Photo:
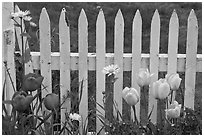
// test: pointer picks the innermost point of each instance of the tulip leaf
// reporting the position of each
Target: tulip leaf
(103, 120)
(17, 25)
(100, 105)
(3, 95)
(27, 55)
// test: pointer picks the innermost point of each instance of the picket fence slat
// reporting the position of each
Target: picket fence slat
(173, 45)
(8, 52)
(45, 51)
(136, 56)
(64, 40)
(154, 60)
(118, 58)
(100, 64)
(83, 67)
(191, 51)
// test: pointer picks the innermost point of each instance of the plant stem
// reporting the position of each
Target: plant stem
(23, 73)
(133, 107)
(171, 96)
(7, 70)
(143, 107)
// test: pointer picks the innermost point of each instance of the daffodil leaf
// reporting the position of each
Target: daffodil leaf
(27, 55)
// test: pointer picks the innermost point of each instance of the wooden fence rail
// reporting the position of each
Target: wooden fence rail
(65, 61)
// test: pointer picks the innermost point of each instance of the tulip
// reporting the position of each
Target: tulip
(174, 81)
(174, 110)
(51, 101)
(131, 96)
(161, 89)
(32, 82)
(144, 77)
(21, 101)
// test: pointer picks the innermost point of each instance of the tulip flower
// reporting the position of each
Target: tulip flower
(161, 89)
(51, 101)
(174, 81)
(174, 110)
(144, 77)
(32, 82)
(21, 101)
(131, 96)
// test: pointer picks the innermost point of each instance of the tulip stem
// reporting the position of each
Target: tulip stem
(52, 122)
(171, 96)
(133, 107)
(144, 105)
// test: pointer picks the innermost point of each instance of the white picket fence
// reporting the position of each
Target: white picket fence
(65, 61)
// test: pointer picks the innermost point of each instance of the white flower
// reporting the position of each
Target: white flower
(33, 24)
(161, 89)
(144, 77)
(75, 116)
(174, 110)
(174, 81)
(131, 96)
(111, 69)
(27, 18)
(20, 14)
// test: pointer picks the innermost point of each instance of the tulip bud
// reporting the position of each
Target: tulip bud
(32, 82)
(174, 81)
(51, 101)
(144, 77)
(161, 89)
(174, 110)
(130, 95)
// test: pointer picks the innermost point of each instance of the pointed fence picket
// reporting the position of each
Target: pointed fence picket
(173, 45)
(64, 38)
(45, 52)
(191, 51)
(100, 64)
(8, 53)
(118, 58)
(83, 66)
(136, 56)
(154, 61)
(46, 61)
